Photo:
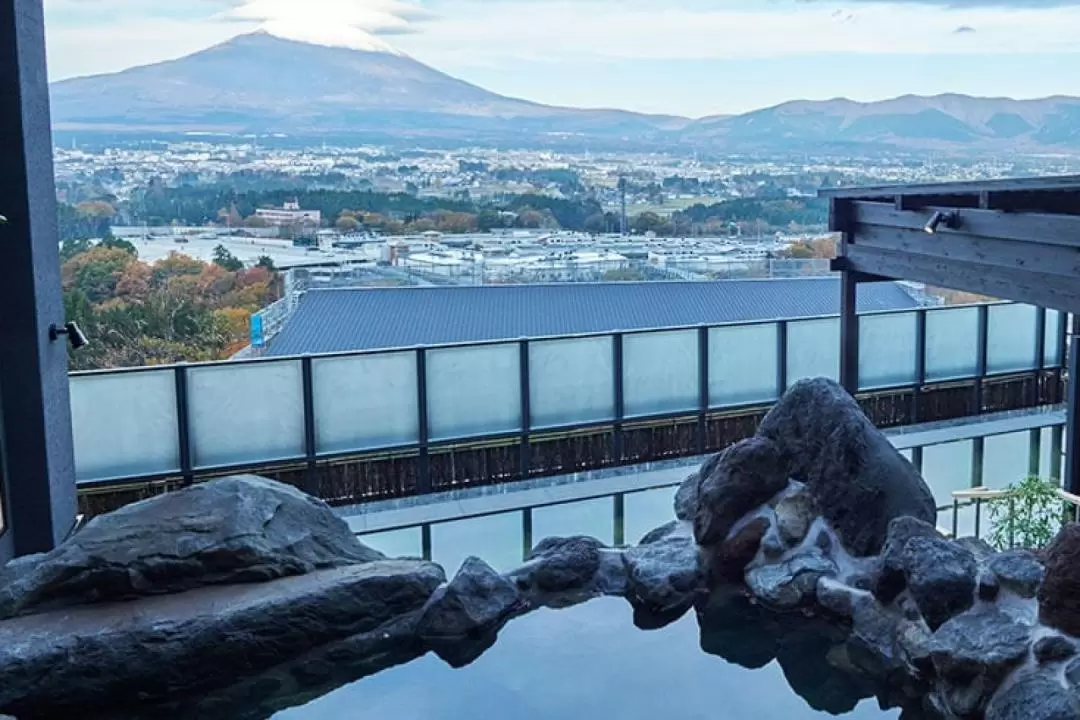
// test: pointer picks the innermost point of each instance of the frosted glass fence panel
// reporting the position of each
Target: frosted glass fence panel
(365, 401)
(124, 424)
(887, 350)
(660, 372)
(1006, 459)
(952, 343)
(246, 412)
(742, 364)
(473, 391)
(1052, 339)
(947, 467)
(1010, 339)
(813, 349)
(571, 381)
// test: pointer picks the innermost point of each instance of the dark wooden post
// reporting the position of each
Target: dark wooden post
(35, 411)
(1072, 426)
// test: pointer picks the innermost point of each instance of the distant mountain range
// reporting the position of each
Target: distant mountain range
(259, 83)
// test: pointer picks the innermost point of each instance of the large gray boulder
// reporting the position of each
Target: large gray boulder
(686, 497)
(792, 583)
(1018, 570)
(565, 571)
(1060, 588)
(891, 576)
(745, 476)
(941, 577)
(233, 530)
(476, 602)
(1033, 696)
(664, 577)
(61, 662)
(860, 481)
(973, 653)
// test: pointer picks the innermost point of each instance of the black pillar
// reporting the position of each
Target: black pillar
(35, 413)
(1072, 426)
(849, 333)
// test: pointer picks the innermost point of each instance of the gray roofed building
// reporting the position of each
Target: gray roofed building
(340, 320)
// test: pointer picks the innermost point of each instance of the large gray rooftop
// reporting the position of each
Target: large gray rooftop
(340, 320)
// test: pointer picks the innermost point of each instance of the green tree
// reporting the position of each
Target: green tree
(71, 247)
(111, 241)
(1029, 516)
(224, 259)
(347, 224)
(266, 262)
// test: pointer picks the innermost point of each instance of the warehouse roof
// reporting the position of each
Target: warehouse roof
(337, 320)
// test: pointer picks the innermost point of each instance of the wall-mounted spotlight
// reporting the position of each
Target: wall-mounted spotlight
(950, 218)
(74, 334)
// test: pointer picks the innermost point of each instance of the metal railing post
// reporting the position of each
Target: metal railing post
(524, 456)
(617, 365)
(423, 465)
(619, 508)
(703, 389)
(981, 357)
(920, 362)
(310, 484)
(781, 357)
(183, 427)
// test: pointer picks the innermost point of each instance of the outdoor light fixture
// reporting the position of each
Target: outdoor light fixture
(950, 218)
(75, 336)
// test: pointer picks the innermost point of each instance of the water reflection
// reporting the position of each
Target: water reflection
(590, 662)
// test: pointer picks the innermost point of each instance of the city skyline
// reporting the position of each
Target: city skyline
(689, 58)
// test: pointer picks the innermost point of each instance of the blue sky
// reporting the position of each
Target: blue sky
(688, 57)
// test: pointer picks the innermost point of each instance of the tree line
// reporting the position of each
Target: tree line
(178, 308)
(406, 213)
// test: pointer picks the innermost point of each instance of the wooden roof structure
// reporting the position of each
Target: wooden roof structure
(1016, 239)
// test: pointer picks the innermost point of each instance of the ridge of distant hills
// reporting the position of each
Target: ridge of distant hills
(260, 83)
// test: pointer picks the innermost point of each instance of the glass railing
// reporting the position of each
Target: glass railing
(187, 420)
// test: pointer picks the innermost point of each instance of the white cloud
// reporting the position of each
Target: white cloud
(491, 33)
(347, 23)
(90, 36)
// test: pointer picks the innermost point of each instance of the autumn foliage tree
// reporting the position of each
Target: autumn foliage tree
(178, 308)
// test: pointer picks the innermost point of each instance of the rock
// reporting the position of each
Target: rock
(298, 681)
(872, 645)
(1061, 585)
(795, 511)
(891, 579)
(792, 583)
(686, 497)
(663, 577)
(657, 534)
(824, 542)
(1033, 696)
(1053, 648)
(916, 645)
(988, 586)
(575, 567)
(476, 602)
(233, 530)
(838, 598)
(1018, 570)
(737, 551)
(860, 481)
(973, 653)
(976, 546)
(152, 649)
(773, 546)
(940, 576)
(744, 477)
(1072, 675)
